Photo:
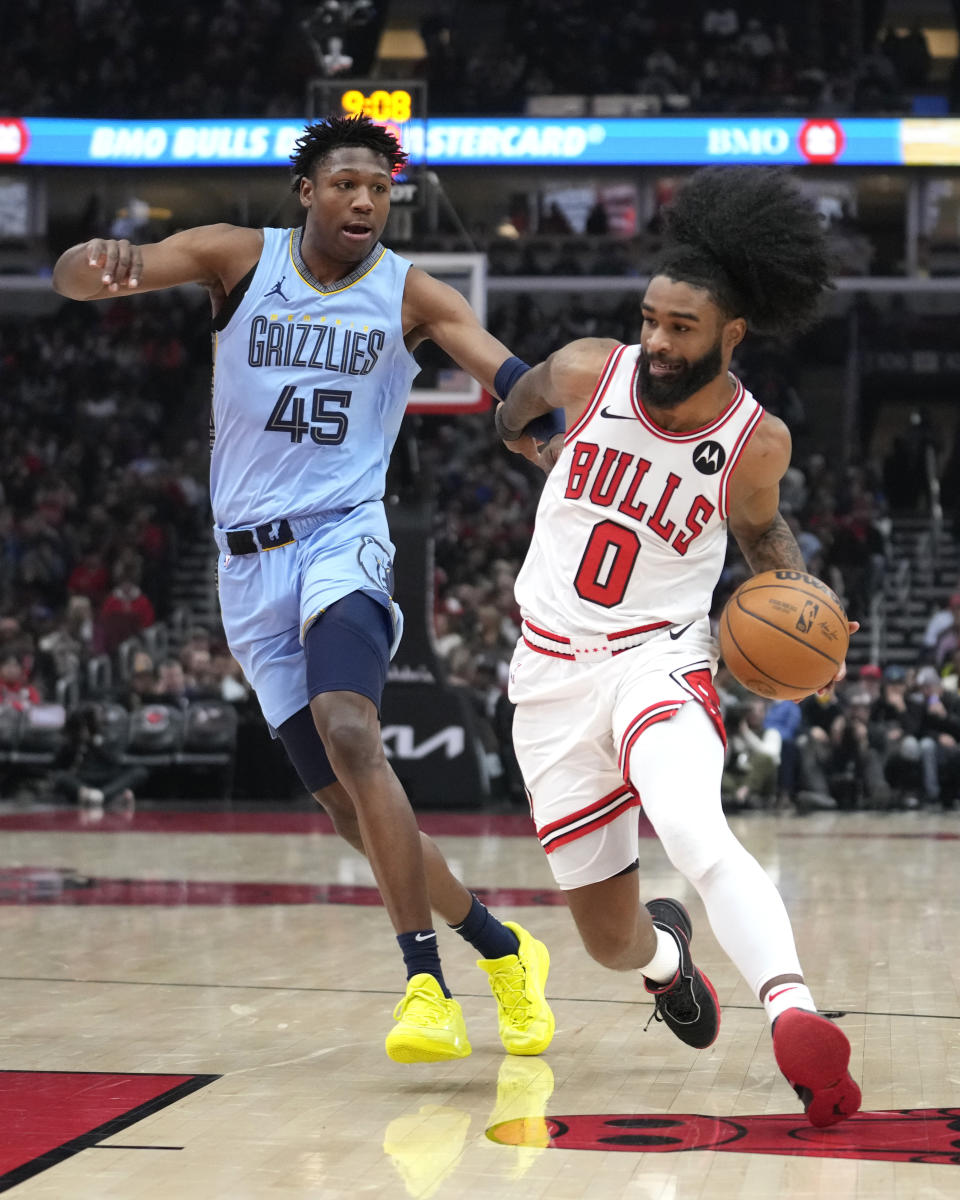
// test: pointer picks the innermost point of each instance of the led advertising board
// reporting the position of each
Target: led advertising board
(452, 142)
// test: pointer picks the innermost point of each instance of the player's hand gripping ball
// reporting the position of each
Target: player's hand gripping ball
(784, 634)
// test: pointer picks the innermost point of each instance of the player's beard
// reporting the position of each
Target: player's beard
(659, 392)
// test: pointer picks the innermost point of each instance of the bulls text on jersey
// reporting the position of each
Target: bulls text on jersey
(617, 479)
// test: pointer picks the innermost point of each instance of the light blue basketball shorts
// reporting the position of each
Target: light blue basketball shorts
(270, 597)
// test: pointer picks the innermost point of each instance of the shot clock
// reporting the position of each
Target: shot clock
(388, 102)
(394, 105)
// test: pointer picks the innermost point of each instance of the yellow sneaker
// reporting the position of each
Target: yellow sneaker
(517, 982)
(430, 1028)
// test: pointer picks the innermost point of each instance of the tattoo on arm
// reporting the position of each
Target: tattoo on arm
(775, 549)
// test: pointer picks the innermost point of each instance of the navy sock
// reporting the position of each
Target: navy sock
(422, 956)
(488, 936)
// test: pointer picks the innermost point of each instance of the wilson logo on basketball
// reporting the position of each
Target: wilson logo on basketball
(801, 577)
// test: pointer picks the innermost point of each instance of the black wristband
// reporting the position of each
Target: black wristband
(504, 432)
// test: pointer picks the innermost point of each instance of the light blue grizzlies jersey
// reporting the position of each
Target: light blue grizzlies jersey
(310, 384)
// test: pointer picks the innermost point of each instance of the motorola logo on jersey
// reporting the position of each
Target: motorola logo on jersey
(709, 458)
(306, 343)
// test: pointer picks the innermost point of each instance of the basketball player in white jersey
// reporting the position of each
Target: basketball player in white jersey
(664, 451)
(314, 333)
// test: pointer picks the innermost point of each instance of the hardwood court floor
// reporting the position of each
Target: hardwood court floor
(193, 1005)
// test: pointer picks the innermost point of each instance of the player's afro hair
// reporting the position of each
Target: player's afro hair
(749, 237)
(323, 137)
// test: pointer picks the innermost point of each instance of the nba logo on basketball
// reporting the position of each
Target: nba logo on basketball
(808, 614)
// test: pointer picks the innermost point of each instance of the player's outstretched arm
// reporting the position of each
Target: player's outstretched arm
(216, 256)
(436, 311)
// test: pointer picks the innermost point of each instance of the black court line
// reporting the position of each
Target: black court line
(640, 1002)
(124, 1146)
(88, 1140)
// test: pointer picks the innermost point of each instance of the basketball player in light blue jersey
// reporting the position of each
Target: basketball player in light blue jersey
(314, 333)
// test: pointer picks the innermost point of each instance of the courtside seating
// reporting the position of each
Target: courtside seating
(155, 734)
(33, 737)
(200, 735)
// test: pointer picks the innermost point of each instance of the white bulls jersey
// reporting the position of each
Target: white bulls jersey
(631, 528)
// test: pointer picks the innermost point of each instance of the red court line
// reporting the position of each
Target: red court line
(252, 821)
(53, 887)
(285, 821)
(282, 821)
(267, 820)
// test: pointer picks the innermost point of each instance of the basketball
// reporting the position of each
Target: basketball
(783, 634)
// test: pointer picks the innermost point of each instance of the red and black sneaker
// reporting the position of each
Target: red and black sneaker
(687, 1004)
(813, 1054)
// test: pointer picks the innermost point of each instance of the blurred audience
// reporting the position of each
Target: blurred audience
(718, 60)
(16, 690)
(258, 58)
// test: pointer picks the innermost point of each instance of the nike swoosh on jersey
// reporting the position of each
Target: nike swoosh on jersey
(612, 416)
(674, 634)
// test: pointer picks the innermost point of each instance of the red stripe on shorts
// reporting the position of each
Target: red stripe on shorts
(650, 716)
(601, 812)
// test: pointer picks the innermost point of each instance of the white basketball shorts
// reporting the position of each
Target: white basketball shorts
(574, 730)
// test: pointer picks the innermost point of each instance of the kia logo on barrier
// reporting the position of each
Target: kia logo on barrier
(14, 139)
(747, 141)
(399, 741)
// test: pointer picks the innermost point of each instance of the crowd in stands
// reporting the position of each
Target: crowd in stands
(886, 739)
(101, 485)
(114, 58)
(103, 463)
(713, 57)
(255, 58)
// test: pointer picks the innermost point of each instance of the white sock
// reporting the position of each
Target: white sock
(666, 962)
(676, 766)
(787, 995)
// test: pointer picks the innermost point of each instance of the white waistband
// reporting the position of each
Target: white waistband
(588, 648)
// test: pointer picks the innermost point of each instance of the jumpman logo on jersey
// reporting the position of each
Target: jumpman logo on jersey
(277, 290)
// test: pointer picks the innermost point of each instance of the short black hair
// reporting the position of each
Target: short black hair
(333, 133)
(749, 237)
